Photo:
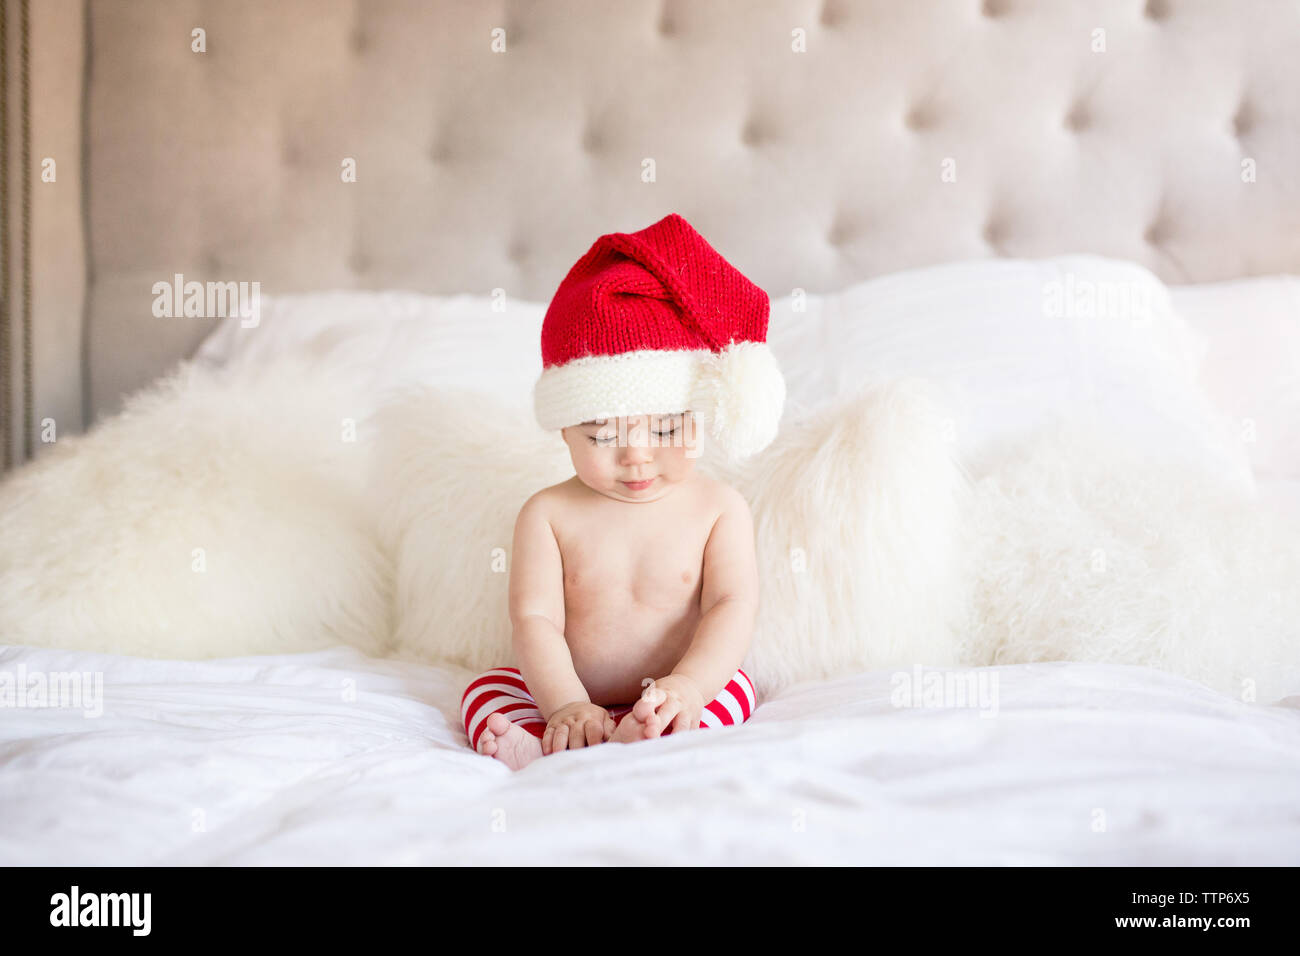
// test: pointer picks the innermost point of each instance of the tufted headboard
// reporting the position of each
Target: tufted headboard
(814, 142)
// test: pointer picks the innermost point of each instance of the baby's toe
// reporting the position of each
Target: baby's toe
(498, 724)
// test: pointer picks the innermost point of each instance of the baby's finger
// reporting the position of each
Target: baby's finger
(595, 733)
(548, 739)
(662, 718)
(683, 722)
(561, 741)
(578, 736)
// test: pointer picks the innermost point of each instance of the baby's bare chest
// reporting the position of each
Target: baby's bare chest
(646, 565)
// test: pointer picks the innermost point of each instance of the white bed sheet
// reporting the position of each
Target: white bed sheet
(267, 761)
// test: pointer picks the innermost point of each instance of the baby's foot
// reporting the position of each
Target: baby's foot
(509, 743)
(642, 721)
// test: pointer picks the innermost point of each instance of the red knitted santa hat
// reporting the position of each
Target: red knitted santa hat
(654, 323)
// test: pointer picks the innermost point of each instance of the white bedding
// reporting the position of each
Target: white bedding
(270, 761)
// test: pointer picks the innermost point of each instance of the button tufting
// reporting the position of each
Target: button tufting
(358, 41)
(993, 232)
(839, 233)
(1154, 234)
(358, 262)
(752, 134)
(1243, 120)
(1078, 117)
(517, 251)
(830, 15)
(592, 140)
(1156, 9)
(919, 117)
(995, 8)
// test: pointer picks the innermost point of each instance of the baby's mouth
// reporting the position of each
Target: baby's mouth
(639, 485)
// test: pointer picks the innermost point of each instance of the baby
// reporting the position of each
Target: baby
(634, 584)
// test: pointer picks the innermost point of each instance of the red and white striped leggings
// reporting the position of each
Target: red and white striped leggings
(502, 691)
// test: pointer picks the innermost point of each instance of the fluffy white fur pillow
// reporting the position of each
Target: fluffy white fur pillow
(452, 469)
(1086, 548)
(858, 514)
(856, 511)
(217, 515)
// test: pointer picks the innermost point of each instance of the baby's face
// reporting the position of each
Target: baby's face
(636, 458)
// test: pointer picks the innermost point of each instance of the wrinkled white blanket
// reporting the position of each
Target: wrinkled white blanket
(335, 758)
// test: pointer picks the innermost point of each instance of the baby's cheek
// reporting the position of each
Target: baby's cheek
(676, 464)
(601, 469)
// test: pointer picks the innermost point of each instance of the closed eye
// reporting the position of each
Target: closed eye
(612, 438)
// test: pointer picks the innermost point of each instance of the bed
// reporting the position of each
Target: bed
(263, 761)
(480, 183)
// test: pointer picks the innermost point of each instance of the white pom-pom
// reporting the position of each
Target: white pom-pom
(740, 392)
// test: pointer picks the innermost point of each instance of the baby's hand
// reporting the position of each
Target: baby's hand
(575, 725)
(678, 704)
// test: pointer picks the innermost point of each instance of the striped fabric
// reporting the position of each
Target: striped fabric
(502, 691)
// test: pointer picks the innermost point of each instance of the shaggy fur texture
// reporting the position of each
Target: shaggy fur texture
(215, 516)
(452, 470)
(1084, 548)
(857, 516)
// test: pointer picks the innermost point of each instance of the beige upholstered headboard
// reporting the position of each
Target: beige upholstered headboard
(814, 142)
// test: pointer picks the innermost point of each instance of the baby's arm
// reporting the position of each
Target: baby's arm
(537, 612)
(728, 600)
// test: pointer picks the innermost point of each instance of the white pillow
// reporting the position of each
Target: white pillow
(1017, 345)
(1252, 371)
(388, 341)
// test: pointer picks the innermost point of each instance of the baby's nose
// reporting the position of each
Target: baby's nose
(633, 454)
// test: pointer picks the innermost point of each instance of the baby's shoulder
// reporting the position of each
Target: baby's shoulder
(551, 501)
